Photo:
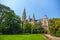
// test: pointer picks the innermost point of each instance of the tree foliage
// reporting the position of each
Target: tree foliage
(27, 28)
(37, 28)
(54, 26)
(9, 21)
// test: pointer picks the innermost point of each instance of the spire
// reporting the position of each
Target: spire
(29, 18)
(33, 18)
(24, 15)
(33, 15)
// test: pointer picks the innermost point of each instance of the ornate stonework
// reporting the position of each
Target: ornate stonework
(32, 20)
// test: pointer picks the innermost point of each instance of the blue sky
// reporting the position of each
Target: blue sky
(51, 8)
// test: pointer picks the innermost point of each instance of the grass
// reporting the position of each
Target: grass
(23, 37)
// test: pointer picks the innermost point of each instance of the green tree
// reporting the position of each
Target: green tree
(54, 26)
(27, 28)
(34, 28)
(9, 21)
(37, 28)
(13, 22)
(2, 9)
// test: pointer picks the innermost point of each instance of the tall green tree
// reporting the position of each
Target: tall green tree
(9, 21)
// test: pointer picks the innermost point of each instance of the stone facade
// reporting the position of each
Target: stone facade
(32, 20)
(45, 22)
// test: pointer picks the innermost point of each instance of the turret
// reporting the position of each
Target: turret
(45, 23)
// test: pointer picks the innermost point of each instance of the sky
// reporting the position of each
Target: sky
(51, 8)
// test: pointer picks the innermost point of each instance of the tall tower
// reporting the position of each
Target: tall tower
(24, 16)
(33, 19)
(45, 22)
(29, 19)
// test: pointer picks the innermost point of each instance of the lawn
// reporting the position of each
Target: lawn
(23, 37)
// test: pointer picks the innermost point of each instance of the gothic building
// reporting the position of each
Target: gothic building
(32, 20)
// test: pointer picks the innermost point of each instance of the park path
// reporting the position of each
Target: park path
(49, 37)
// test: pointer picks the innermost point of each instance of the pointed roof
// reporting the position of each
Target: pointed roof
(29, 17)
(33, 15)
(45, 17)
(24, 14)
(33, 18)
